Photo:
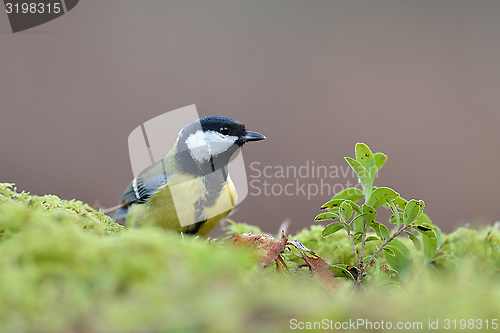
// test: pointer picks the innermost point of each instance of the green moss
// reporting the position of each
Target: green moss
(233, 228)
(479, 248)
(66, 268)
(18, 210)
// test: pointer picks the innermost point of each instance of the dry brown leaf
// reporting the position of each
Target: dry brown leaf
(266, 246)
(269, 249)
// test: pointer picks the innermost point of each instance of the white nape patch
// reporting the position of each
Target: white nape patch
(203, 145)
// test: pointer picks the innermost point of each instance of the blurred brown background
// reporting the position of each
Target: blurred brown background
(419, 81)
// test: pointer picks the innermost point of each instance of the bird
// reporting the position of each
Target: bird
(190, 190)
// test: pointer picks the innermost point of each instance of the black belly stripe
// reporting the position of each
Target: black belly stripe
(212, 163)
(194, 228)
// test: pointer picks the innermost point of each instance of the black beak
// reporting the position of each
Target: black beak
(252, 136)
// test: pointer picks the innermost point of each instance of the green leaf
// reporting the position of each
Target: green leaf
(422, 206)
(412, 211)
(439, 235)
(399, 262)
(376, 227)
(380, 195)
(380, 159)
(356, 238)
(425, 230)
(401, 247)
(396, 216)
(371, 238)
(357, 223)
(377, 265)
(326, 216)
(430, 247)
(363, 175)
(415, 240)
(370, 214)
(392, 219)
(356, 218)
(341, 270)
(356, 207)
(388, 251)
(346, 210)
(332, 228)
(352, 193)
(333, 204)
(365, 156)
(400, 203)
(423, 219)
(384, 231)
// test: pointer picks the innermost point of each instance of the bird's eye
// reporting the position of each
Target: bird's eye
(224, 130)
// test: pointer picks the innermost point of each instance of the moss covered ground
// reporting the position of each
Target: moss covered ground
(67, 268)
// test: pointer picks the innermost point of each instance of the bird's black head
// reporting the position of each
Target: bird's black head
(209, 143)
(229, 128)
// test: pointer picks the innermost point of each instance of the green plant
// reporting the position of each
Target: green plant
(358, 220)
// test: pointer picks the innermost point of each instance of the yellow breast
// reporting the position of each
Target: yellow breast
(176, 206)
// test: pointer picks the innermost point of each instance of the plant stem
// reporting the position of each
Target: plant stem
(361, 268)
(353, 246)
(396, 234)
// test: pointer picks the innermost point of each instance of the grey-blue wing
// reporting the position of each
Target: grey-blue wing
(140, 190)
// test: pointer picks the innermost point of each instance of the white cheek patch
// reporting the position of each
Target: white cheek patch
(203, 145)
(219, 143)
(198, 147)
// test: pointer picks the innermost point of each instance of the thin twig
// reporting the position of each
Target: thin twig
(284, 226)
(396, 234)
(279, 261)
(352, 243)
(115, 208)
(361, 269)
(280, 258)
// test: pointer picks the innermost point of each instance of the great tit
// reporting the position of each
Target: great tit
(190, 190)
